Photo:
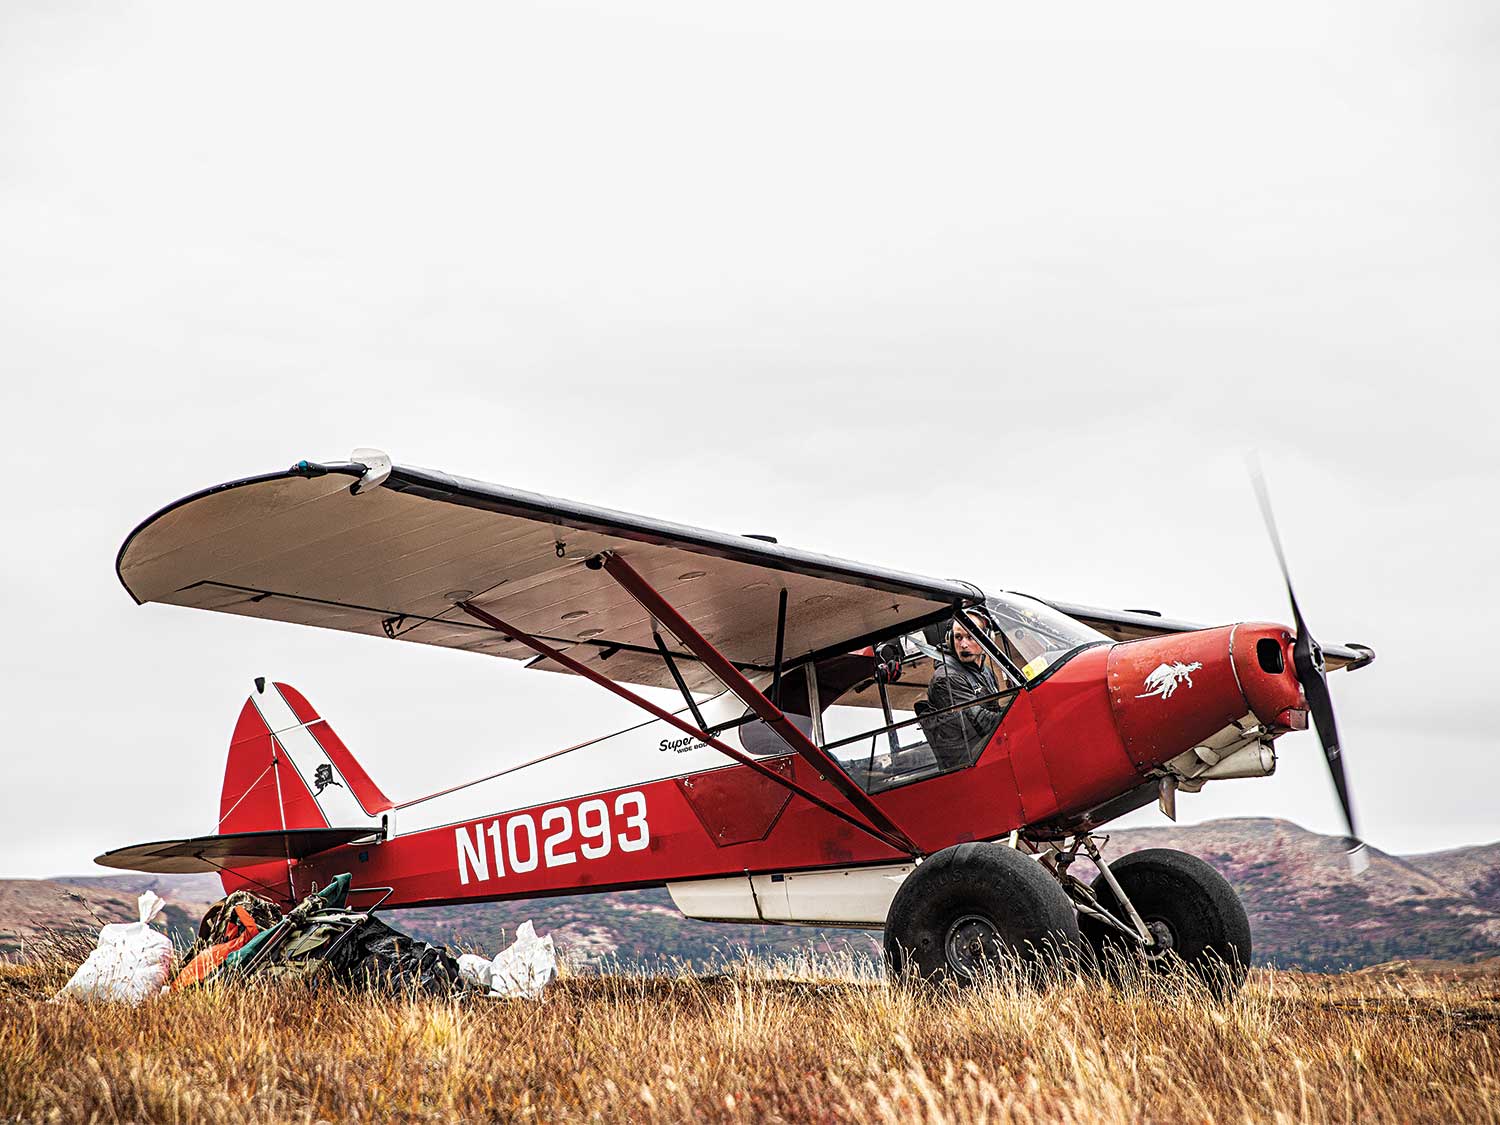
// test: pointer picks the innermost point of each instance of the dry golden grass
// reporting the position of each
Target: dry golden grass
(808, 1042)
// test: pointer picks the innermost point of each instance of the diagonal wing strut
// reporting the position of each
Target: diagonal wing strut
(894, 840)
(736, 681)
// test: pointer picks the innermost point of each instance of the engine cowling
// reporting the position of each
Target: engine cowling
(1171, 693)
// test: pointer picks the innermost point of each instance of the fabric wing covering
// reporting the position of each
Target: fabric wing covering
(391, 560)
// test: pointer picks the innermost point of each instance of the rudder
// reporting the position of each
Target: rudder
(287, 768)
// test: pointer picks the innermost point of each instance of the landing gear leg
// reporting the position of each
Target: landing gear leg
(1189, 913)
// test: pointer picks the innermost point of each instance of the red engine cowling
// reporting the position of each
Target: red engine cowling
(1171, 693)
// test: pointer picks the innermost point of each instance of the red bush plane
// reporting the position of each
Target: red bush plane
(852, 746)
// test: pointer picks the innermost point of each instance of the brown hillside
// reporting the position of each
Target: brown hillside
(1474, 870)
(31, 907)
(183, 888)
(1308, 909)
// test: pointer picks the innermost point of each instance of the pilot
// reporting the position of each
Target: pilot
(963, 674)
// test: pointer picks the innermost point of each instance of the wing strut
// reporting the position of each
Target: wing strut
(666, 655)
(895, 841)
(780, 647)
(735, 680)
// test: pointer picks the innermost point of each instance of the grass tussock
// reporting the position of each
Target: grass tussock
(798, 1041)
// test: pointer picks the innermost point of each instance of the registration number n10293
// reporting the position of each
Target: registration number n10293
(555, 837)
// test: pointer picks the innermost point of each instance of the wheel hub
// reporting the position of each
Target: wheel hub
(1163, 940)
(972, 943)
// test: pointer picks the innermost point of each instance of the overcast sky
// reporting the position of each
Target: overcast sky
(996, 292)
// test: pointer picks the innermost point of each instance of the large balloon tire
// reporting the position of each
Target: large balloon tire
(975, 909)
(1199, 921)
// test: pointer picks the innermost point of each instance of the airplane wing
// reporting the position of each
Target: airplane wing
(1134, 624)
(387, 550)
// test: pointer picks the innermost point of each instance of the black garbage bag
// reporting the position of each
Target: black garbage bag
(376, 956)
(358, 950)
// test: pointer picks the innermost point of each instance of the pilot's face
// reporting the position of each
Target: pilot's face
(965, 646)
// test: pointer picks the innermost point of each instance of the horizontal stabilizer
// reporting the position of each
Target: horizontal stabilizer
(234, 850)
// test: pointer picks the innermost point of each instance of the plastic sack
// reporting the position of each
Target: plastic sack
(475, 969)
(519, 972)
(131, 962)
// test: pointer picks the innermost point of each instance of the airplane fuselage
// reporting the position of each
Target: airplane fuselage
(1084, 742)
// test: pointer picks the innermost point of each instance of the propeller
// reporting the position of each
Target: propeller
(1307, 658)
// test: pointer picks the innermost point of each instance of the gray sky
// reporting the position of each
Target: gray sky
(981, 291)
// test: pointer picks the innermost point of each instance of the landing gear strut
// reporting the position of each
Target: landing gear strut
(1159, 909)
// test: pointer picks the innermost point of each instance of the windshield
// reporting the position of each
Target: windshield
(1034, 635)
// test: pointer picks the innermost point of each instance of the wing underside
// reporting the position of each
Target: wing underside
(391, 561)
(309, 546)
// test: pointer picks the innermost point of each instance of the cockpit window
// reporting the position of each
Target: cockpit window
(911, 710)
(1036, 636)
(924, 704)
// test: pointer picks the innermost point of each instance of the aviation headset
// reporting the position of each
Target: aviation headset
(979, 615)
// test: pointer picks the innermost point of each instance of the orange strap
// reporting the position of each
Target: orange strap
(201, 967)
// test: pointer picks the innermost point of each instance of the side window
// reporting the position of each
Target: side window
(889, 726)
(761, 741)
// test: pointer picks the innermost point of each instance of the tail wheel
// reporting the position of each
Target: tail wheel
(1194, 916)
(971, 908)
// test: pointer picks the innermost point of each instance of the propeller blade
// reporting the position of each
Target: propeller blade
(1307, 658)
(1263, 497)
(1358, 857)
(1320, 703)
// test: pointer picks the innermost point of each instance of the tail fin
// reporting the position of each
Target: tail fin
(288, 769)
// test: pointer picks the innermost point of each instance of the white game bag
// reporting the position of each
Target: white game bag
(131, 962)
(521, 972)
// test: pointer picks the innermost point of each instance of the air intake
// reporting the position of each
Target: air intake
(1268, 653)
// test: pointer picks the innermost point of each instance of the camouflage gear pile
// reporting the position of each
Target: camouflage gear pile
(213, 930)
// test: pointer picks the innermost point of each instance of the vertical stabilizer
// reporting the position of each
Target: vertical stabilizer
(288, 769)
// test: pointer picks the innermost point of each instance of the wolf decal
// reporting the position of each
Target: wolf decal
(1164, 679)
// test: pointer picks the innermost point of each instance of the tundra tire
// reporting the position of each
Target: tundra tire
(1193, 912)
(975, 909)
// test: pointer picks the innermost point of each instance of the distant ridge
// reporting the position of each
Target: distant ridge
(1306, 909)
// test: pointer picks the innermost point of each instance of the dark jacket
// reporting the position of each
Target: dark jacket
(957, 738)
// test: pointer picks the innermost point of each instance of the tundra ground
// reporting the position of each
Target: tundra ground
(766, 1041)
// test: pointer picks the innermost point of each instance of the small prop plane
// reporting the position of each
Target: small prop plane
(843, 745)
